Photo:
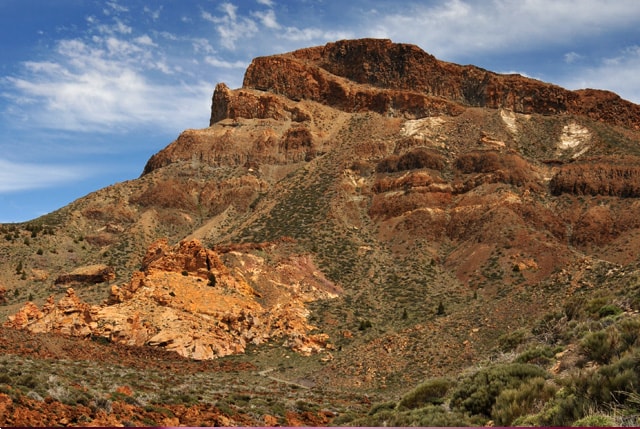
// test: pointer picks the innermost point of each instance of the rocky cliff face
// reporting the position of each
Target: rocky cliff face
(400, 79)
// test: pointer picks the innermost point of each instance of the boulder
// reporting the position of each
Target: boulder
(89, 274)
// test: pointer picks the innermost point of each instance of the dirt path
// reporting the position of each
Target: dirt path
(265, 373)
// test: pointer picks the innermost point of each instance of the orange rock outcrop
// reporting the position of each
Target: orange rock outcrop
(187, 300)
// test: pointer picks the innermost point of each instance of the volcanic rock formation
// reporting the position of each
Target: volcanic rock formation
(400, 79)
(188, 301)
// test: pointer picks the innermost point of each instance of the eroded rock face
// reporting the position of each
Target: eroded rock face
(90, 274)
(187, 300)
(394, 78)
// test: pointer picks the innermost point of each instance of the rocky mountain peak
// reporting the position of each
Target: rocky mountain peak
(400, 79)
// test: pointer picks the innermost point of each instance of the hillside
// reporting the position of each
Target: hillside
(359, 218)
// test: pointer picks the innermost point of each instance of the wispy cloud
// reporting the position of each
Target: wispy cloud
(153, 13)
(572, 57)
(456, 28)
(217, 62)
(237, 28)
(107, 80)
(617, 73)
(230, 26)
(267, 18)
(23, 176)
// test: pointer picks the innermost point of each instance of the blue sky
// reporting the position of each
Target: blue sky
(90, 89)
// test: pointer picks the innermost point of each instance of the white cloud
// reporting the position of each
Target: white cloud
(24, 176)
(455, 28)
(216, 62)
(618, 74)
(268, 19)
(103, 84)
(267, 3)
(572, 57)
(230, 27)
(144, 40)
(318, 35)
(202, 45)
(153, 13)
(118, 27)
(116, 7)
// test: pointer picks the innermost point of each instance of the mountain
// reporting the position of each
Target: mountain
(358, 218)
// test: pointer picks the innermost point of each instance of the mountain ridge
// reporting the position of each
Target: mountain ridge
(439, 226)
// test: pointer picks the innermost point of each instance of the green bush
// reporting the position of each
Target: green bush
(602, 307)
(614, 385)
(601, 346)
(477, 394)
(511, 340)
(617, 380)
(541, 356)
(595, 420)
(382, 406)
(27, 380)
(159, 409)
(565, 408)
(430, 392)
(574, 308)
(527, 399)
(609, 310)
(429, 416)
(629, 329)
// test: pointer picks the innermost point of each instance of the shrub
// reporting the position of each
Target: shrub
(629, 331)
(595, 420)
(616, 381)
(364, 325)
(609, 310)
(528, 398)
(382, 406)
(158, 409)
(601, 307)
(415, 159)
(430, 392)
(615, 385)
(541, 356)
(601, 346)
(212, 280)
(428, 416)
(563, 410)
(477, 394)
(27, 381)
(511, 340)
(574, 308)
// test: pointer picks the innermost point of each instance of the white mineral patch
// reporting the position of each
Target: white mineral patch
(573, 135)
(424, 128)
(509, 119)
